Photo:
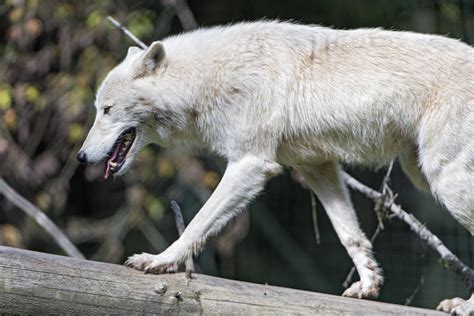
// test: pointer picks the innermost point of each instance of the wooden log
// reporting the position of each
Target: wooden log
(39, 283)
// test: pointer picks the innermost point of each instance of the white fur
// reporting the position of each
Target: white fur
(267, 94)
(457, 306)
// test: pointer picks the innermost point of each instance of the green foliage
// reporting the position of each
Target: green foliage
(154, 207)
(141, 23)
(5, 97)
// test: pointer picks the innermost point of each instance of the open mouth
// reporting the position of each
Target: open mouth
(119, 151)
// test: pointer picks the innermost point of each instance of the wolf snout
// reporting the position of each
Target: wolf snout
(82, 157)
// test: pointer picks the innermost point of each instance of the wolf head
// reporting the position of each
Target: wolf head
(125, 113)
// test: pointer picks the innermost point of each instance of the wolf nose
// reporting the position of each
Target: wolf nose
(81, 156)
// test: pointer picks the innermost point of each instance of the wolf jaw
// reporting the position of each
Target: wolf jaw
(118, 154)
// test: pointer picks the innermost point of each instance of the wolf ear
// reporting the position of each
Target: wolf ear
(132, 50)
(152, 58)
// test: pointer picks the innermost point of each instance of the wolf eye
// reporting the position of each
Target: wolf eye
(107, 109)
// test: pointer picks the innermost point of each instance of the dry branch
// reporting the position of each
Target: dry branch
(41, 218)
(38, 283)
(127, 32)
(178, 216)
(447, 257)
(314, 212)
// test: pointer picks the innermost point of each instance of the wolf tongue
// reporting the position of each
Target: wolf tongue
(107, 170)
(111, 159)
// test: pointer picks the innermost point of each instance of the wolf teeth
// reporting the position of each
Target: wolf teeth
(113, 164)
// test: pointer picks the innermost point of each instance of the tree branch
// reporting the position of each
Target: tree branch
(127, 32)
(447, 257)
(314, 212)
(38, 283)
(44, 221)
(178, 216)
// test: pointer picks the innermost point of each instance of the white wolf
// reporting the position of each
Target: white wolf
(268, 94)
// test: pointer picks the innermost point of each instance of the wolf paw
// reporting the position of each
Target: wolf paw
(148, 263)
(457, 306)
(359, 290)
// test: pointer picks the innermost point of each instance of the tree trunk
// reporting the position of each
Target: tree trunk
(32, 283)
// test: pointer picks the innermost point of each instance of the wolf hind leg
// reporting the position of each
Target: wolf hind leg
(410, 166)
(452, 183)
(326, 182)
(457, 306)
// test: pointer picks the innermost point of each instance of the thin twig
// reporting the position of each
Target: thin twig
(421, 281)
(415, 291)
(387, 193)
(314, 211)
(447, 257)
(44, 221)
(386, 178)
(127, 32)
(182, 10)
(178, 216)
(349, 277)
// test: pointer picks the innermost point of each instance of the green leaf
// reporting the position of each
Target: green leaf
(76, 131)
(154, 207)
(94, 19)
(32, 93)
(5, 98)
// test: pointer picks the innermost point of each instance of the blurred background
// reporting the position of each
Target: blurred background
(53, 56)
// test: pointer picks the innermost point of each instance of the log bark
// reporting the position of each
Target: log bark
(32, 283)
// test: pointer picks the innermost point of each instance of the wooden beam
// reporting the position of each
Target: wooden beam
(32, 283)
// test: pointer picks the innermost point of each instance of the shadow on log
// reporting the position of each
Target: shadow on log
(32, 283)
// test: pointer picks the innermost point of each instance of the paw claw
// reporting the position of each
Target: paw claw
(151, 263)
(457, 306)
(358, 290)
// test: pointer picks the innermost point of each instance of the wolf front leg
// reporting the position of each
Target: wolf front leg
(326, 182)
(242, 181)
